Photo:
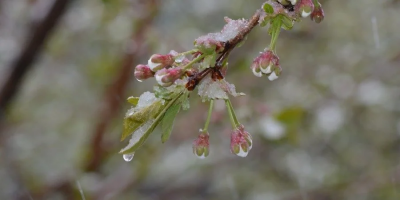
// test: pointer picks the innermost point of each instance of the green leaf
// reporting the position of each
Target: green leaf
(163, 93)
(167, 122)
(133, 100)
(136, 120)
(274, 30)
(268, 8)
(133, 147)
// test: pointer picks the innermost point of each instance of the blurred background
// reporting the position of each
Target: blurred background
(327, 129)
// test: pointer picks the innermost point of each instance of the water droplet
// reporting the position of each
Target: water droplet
(179, 59)
(128, 157)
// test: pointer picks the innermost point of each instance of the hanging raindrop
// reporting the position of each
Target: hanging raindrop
(128, 157)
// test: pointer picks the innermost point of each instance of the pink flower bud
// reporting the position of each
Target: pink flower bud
(159, 61)
(201, 146)
(304, 7)
(318, 14)
(241, 142)
(143, 72)
(166, 77)
(265, 63)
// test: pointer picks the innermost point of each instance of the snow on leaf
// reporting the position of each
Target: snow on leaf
(140, 135)
(137, 136)
(138, 117)
(147, 106)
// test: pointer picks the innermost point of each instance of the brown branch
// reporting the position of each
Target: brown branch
(111, 103)
(229, 46)
(24, 62)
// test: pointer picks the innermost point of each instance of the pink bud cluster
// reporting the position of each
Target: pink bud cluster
(162, 68)
(267, 63)
(318, 14)
(307, 8)
(294, 9)
(241, 142)
(304, 7)
(201, 146)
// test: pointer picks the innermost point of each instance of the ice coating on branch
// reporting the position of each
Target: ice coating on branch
(138, 134)
(146, 99)
(210, 89)
(230, 30)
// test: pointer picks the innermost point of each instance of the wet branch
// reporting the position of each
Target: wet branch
(228, 47)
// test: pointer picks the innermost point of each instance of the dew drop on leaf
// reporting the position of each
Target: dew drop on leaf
(128, 157)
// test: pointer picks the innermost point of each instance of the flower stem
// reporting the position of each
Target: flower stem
(316, 4)
(208, 115)
(232, 116)
(186, 53)
(275, 30)
(193, 61)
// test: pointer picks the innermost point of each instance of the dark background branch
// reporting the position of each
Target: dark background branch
(24, 62)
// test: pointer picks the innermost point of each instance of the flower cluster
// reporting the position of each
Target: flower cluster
(266, 63)
(241, 142)
(204, 68)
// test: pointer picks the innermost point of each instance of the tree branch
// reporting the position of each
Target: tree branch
(24, 62)
(111, 103)
(229, 46)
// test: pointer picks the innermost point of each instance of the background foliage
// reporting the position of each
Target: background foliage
(328, 128)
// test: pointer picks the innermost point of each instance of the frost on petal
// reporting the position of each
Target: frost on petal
(137, 135)
(230, 88)
(209, 89)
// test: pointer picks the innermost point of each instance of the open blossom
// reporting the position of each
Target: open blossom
(166, 77)
(266, 63)
(304, 7)
(159, 61)
(241, 142)
(201, 146)
(318, 14)
(143, 72)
